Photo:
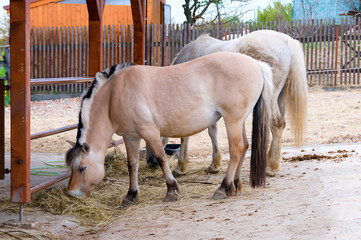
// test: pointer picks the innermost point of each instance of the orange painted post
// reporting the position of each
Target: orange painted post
(138, 12)
(95, 10)
(20, 100)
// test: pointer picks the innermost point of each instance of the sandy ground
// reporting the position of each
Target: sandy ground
(313, 199)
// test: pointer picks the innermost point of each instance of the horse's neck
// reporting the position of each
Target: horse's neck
(100, 129)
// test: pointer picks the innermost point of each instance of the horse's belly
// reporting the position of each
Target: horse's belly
(189, 124)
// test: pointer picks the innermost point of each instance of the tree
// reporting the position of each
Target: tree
(308, 8)
(353, 4)
(230, 11)
(214, 10)
(195, 9)
(279, 12)
(4, 29)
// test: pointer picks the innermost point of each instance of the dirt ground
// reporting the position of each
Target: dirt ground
(316, 195)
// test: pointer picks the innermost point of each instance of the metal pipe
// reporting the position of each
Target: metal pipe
(52, 81)
(53, 131)
(50, 182)
(20, 212)
(2, 129)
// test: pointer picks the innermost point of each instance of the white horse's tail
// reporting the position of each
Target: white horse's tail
(260, 129)
(296, 91)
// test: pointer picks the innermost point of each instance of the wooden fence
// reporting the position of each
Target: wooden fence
(331, 51)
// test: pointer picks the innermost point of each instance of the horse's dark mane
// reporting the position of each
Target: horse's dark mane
(96, 84)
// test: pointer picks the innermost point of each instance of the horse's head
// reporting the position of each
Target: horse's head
(87, 170)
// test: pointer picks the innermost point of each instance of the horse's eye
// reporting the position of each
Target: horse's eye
(82, 169)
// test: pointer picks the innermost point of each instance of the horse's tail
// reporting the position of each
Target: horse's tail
(260, 129)
(296, 91)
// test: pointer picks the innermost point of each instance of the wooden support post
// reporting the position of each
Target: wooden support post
(20, 100)
(138, 12)
(95, 10)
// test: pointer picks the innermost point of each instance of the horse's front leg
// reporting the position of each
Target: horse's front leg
(183, 159)
(132, 147)
(236, 150)
(216, 155)
(155, 144)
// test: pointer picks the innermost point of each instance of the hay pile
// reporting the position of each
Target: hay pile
(102, 207)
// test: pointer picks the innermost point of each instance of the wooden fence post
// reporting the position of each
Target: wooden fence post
(336, 53)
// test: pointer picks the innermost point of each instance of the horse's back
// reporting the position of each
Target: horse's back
(184, 99)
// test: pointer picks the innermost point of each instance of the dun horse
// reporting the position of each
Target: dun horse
(286, 58)
(139, 102)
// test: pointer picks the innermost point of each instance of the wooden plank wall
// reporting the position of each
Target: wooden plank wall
(63, 52)
(68, 15)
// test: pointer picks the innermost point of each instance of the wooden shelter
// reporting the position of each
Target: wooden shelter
(74, 12)
(21, 189)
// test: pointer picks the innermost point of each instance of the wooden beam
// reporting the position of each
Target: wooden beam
(138, 12)
(20, 100)
(40, 3)
(95, 11)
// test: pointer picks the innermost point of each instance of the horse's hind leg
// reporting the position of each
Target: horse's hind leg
(149, 156)
(155, 144)
(278, 124)
(132, 147)
(236, 150)
(237, 177)
(183, 159)
(216, 155)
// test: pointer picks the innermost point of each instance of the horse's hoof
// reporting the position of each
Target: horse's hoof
(177, 173)
(269, 172)
(127, 203)
(219, 194)
(212, 170)
(152, 162)
(171, 197)
(238, 185)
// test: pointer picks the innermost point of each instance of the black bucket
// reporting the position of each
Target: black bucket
(171, 149)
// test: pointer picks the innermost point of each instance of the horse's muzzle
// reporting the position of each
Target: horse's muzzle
(77, 193)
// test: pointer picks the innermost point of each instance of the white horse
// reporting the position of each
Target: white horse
(286, 58)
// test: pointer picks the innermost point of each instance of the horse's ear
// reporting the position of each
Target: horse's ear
(71, 143)
(86, 148)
